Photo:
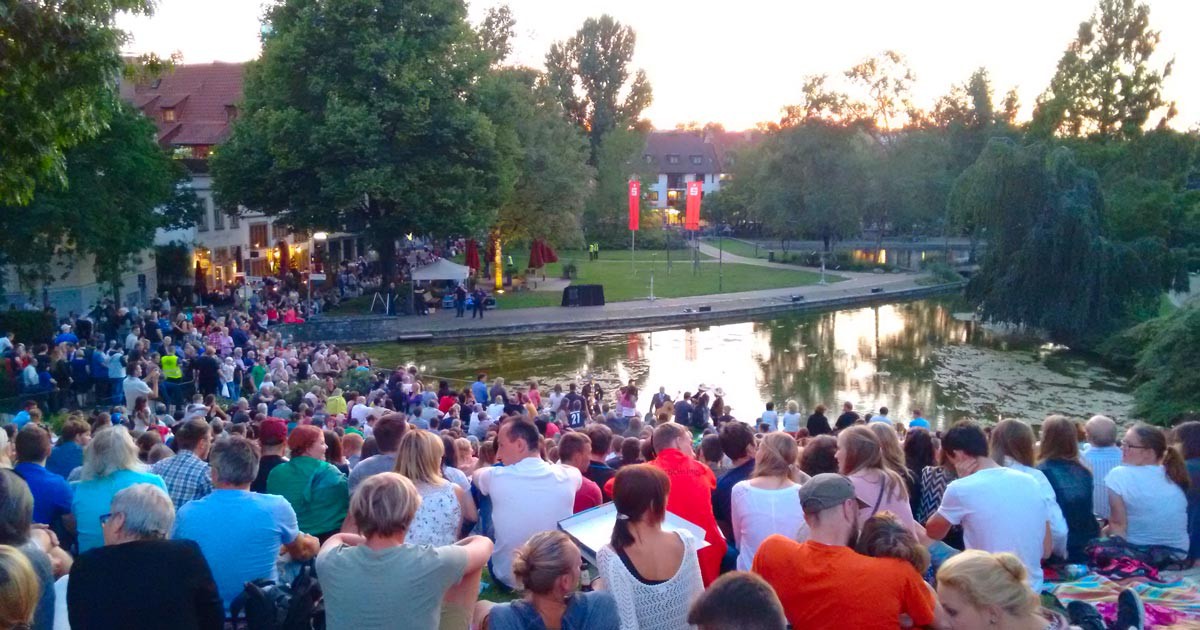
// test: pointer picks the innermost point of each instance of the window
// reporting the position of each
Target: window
(279, 231)
(258, 267)
(672, 158)
(237, 259)
(168, 114)
(234, 220)
(202, 222)
(697, 160)
(675, 180)
(258, 235)
(218, 218)
(653, 195)
(221, 255)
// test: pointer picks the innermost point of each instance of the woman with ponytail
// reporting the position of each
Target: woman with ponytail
(1146, 492)
(769, 502)
(653, 574)
(860, 457)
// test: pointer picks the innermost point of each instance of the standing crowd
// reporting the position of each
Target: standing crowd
(222, 460)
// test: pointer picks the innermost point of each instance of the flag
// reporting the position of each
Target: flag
(635, 196)
(692, 218)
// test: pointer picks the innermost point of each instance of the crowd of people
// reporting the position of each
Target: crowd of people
(217, 458)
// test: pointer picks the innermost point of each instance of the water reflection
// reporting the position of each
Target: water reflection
(892, 355)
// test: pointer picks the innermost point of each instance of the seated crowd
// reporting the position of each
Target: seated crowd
(404, 500)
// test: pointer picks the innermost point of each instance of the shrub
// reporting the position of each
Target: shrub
(1169, 381)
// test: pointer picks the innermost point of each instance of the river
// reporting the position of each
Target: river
(919, 354)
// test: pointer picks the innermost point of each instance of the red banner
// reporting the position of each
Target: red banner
(635, 197)
(692, 217)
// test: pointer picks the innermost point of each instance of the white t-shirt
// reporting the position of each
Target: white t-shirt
(1058, 522)
(1155, 507)
(758, 513)
(360, 413)
(135, 387)
(1000, 509)
(528, 497)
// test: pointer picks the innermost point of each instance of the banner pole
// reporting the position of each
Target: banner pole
(632, 250)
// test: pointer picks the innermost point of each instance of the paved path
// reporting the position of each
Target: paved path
(709, 250)
(857, 289)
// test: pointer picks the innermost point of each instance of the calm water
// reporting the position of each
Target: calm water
(914, 354)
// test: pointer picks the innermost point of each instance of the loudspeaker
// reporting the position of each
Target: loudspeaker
(705, 309)
(797, 298)
(877, 290)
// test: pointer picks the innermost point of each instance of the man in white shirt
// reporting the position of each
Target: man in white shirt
(529, 495)
(1000, 509)
(496, 409)
(1101, 458)
(134, 386)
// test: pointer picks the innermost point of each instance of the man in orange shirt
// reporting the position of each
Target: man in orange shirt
(692, 484)
(822, 583)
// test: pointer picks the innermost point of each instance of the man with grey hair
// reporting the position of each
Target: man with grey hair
(137, 548)
(239, 531)
(1102, 456)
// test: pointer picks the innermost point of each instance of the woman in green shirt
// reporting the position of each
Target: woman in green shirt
(316, 489)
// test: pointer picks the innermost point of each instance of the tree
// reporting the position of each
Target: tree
(551, 177)
(122, 188)
(1049, 264)
(361, 116)
(57, 64)
(496, 32)
(618, 160)
(590, 72)
(1104, 84)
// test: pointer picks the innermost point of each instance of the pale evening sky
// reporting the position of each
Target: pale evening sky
(740, 62)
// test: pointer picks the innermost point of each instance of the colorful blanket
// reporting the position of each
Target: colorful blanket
(1172, 604)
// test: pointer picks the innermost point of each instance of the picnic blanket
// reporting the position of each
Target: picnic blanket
(1172, 604)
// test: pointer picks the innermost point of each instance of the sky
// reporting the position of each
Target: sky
(739, 63)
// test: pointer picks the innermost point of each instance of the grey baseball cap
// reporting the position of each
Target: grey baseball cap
(824, 491)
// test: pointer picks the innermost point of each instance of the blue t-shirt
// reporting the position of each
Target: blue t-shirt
(51, 493)
(479, 390)
(239, 533)
(64, 458)
(919, 422)
(93, 498)
(723, 495)
(21, 419)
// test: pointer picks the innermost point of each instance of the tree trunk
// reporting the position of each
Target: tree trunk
(387, 260)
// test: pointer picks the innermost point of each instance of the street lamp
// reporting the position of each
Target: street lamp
(312, 254)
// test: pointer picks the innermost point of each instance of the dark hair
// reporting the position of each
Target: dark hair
(72, 429)
(16, 509)
(918, 449)
(333, 447)
(820, 456)
(965, 437)
(189, 434)
(1188, 437)
(572, 444)
(770, 406)
(32, 443)
(1060, 440)
(601, 437)
(710, 447)
(883, 411)
(639, 494)
(631, 451)
(388, 431)
(449, 452)
(648, 452)
(370, 448)
(527, 432)
(738, 600)
(736, 438)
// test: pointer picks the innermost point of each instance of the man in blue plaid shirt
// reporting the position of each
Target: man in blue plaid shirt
(187, 474)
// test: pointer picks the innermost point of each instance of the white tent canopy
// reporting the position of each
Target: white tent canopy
(442, 270)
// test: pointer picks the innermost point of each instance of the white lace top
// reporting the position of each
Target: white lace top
(759, 512)
(644, 606)
(438, 519)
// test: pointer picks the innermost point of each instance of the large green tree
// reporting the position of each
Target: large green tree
(1049, 264)
(361, 115)
(607, 208)
(1105, 84)
(591, 75)
(551, 179)
(58, 61)
(122, 187)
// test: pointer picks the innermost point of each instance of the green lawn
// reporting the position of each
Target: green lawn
(624, 280)
(737, 247)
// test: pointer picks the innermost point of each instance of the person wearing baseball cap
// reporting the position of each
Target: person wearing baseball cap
(822, 582)
(272, 437)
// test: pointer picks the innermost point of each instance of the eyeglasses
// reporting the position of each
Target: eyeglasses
(104, 518)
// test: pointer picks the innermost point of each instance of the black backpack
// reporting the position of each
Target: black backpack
(271, 606)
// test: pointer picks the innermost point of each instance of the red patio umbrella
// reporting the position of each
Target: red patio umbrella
(548, 253)
(473, 255)
(535, 255)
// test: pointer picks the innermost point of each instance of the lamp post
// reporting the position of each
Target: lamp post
(319, 237)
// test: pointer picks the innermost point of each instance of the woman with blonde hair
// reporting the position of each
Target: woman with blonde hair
(444, 505)
(110, 464)
(1058, 459)
(860, 457)
(769, 502)
(1011, 446)
(466, 456)
(19, 589)
(791, 418)
(547, 569)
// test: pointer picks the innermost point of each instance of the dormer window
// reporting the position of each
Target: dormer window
(168, 114)
(673, 158)
(697, 160)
